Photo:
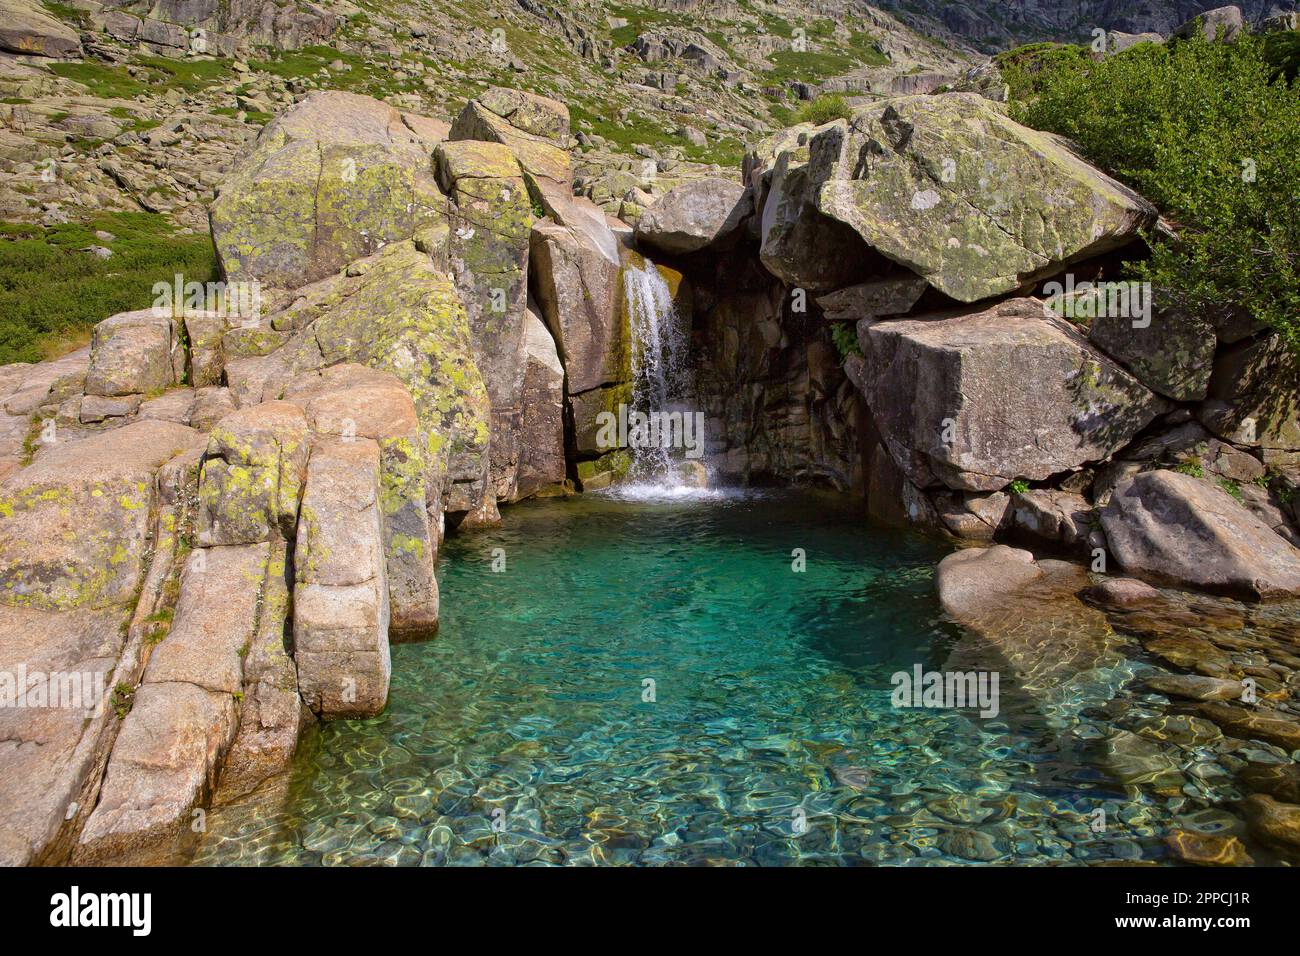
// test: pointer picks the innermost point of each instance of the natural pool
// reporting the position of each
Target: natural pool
(522, 733)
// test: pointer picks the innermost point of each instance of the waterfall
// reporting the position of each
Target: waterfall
(661, 381)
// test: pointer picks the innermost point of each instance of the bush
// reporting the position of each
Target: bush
(51, 292)
(1209, 132)
(823, 110)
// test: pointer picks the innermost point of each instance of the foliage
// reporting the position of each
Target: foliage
(51, 292)
(824, 109)
(1019, 486)
(1210, 132)
(845, 337)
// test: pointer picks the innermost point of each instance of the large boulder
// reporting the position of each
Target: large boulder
(974, 581)
(131, 353)
(27, 29)
(1176, 529)
(541, 433)
(75, 524)
(1172, 356)
(340, 624)
(954, 190)
(975, 400)
(332, 180)
(1252, 399)
(535, 129)
(695, 214)
(1221, 23)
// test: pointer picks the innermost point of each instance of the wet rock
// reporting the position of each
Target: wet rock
(1133, 760)
(1207, 849)
(340, 625)
(694, 215)
(1122, 592)
(1173, 528)
(1280, 781)
(1193, 653)
(1277, 824)
(131, 353)
(1180, 729)
(975, 400)
(911, 175)
(1255, 723)
(1195, 686)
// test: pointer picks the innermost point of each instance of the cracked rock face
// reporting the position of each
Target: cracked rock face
(951, 188)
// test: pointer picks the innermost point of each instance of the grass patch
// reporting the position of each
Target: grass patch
(51, 293)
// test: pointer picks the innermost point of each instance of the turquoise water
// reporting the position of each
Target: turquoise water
(527, 731)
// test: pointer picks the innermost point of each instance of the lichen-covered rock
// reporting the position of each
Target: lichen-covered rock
(184, 714)
(252, 475)
(1172, 356)
(27, 29)
(535, 129)
(351, 401)
(207, 361)
(131, 353)
(332, 180)
(1252, 399)
(874, 299)
(1176, 529)
(541, 430)
(340, 624)
(74, 525)
(695, 214)
(950, 187)
(975, 400)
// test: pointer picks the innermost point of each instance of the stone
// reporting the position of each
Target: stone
(696, 214)
(541, 433)
(540, 154)
(99, 408)
(340, 626)
(183, 716)
(973, 579)
(332, 180)
(1252, 397)
(1277, 824)
(1122, 592)
(1254, 723)
(1279, 781)
(951, 188)
(1053, 517)
(1207, 849)
(1192, 652)
(873, 300)
(1196, 687)
(27, 29)
(1172, 528)
(207, 360)
(973, 401)
(891, 498)
(74, 525)
(252, 475)
(131, 353)
(1221, 23)
(1172, 356)
(975, 517)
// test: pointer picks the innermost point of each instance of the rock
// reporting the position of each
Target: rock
(173, 405)
(1053, 517)
(340, 626)
(26, 29)
(873, 300)
(1193, 653)
(975, 517)
(1173, 355)
(1207, 849)
(1117, 42)
(1122, 592)
(1252, 398)
(975, 400)
(1176, 529)
(541, 432)
(696, 214)
(332, 180)
(1254, 723)
(604, 471)
(252, 475)
(951, 188)
(182, 720)
(1180, 729)
(98, 408)
(892, 499)
(1279, 781)
(1221, 23)
(74, 525)
(352, 401)
(974, 579)
(1132, 760)
(1195, 687)
(1277, 824)
(131, 353)
(534, 128)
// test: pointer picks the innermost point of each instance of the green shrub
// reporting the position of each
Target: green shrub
(1026, 67)
(845, 337)
(1209, 132)
(823, 110)
(1018, 487)
(51, 292)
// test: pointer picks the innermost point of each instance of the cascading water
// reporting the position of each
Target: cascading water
(661, 380)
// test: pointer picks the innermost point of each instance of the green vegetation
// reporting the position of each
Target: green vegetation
(123, 698)
(845, 337)
(1019, 486)
(1232, 488)
(1192, 468)
(823, 110)
(51, 293)
(1210, 132)
(1026, 67)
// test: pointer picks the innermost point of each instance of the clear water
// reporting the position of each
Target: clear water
(520, 734)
